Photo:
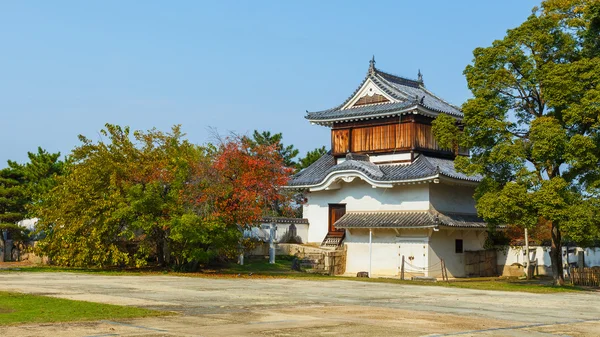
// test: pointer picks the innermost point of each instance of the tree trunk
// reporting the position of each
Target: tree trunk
(556, 255)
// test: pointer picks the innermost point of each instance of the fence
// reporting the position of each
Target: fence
(585, 276)
(412, 270)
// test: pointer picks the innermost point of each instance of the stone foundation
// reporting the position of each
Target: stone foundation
(317, 260)
(481, 263)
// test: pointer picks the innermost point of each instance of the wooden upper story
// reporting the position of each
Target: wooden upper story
(387, 114)
(410, 133)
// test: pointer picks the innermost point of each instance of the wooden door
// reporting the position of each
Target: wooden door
(415, 256)
(336, 211)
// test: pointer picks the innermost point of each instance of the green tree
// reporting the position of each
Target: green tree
(13, 200)
(153, 197)
(118, 199)
(533, 125)
(20, 187)
(39, 172)
(311, 157)
(265, 138)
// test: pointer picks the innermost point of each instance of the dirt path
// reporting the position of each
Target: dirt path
(292, 307)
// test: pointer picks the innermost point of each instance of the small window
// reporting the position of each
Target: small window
(458, 246)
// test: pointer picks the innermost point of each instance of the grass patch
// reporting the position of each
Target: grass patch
(17, 308)
(259, 265)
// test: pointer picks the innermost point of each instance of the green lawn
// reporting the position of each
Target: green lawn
(17, 308)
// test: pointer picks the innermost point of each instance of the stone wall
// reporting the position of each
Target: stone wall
(481, 263)
(316, 260)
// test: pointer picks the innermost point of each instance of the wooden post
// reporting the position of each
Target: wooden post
(444, 271)
(370, 249)
(402, 269)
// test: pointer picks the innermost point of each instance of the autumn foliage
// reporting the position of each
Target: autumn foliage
(244, 181)
(155, 198)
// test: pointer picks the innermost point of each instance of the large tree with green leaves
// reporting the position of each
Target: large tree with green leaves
(21, 186)
(153, 197)
(533, 124)
(39, 172)
(119, 199)
(13, 199)
(265, 138)
(311, 157)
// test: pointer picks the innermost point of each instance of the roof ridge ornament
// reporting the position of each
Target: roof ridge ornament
(372, 65)
(420, 77)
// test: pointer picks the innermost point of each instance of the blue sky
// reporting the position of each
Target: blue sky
(69, 67)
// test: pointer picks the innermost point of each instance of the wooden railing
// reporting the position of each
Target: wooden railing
(585, 276)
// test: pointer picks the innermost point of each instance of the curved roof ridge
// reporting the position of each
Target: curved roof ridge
(435, 168)
(404, 80)
(446, 168)
(385, 85)
(357, 112)
(340, 106)
(363, 166)
(441, 99)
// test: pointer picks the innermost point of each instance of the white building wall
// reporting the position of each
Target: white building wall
(452, 198)
(361, 196)
(592, 257)
(508, 256)
(442, 245)
(262, 232)
(384, 259)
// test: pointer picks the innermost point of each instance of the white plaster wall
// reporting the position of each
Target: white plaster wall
(452, 198)
(301, 231)
(384, 258)
(360, 196)
(509, 255)
(263, 234)
(442, 246)
(389, 157)
(592, 257)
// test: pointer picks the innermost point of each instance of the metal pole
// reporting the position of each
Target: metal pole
(527, 254)
(272, 233)
(370, 249)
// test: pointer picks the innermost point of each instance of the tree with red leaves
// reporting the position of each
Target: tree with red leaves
(244, 180)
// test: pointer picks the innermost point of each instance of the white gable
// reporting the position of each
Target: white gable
(369, 88)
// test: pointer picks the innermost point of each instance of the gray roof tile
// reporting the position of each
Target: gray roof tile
(422, 167)
(408, 219)
(270, 219)
(412, 93)
(386, 220)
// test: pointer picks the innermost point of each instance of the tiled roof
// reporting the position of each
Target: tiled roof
(411, 93)
(284, 220)
(446, 167)
(386, 220)
(422, 167)
(361, 111)
(461, 220)
(408, 219)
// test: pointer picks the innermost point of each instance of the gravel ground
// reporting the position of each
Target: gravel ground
(294, 307)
